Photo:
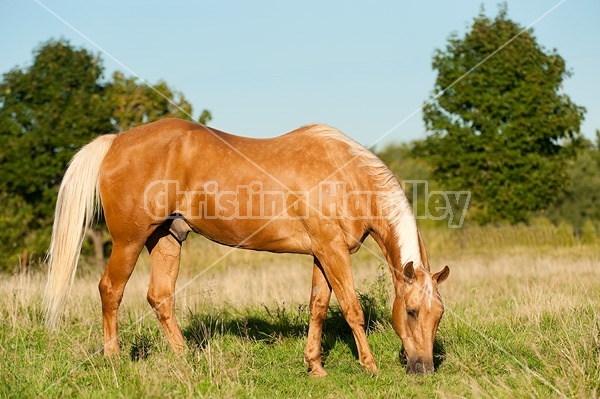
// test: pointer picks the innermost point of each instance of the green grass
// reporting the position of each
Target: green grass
(520, 321)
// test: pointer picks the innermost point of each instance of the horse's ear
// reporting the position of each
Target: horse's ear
(442, 275)
(408, 272)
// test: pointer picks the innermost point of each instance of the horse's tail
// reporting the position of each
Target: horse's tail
(77, 203)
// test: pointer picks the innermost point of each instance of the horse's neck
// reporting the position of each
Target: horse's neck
(384, 235)
(398, 230)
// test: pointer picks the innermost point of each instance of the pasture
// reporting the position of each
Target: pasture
(522, 320)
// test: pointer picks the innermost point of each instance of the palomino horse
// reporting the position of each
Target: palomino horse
(312, 191)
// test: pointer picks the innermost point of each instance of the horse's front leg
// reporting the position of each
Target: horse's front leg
(319, 302)
(334, 259)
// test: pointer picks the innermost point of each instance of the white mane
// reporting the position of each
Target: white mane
(395, 204)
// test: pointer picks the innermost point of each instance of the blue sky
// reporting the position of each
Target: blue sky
(266, 67)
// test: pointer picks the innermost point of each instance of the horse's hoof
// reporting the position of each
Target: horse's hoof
(371, 368)
(111, 351)
(318, 372)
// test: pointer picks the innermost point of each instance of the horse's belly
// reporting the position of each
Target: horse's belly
(261, 235)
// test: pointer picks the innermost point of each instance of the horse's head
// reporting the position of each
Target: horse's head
(416, 315)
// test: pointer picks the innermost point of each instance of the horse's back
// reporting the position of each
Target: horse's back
(166, 132)
(302, 156)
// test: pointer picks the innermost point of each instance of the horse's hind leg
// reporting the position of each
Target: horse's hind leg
(165, 251)
(112, 284)
(319, 302)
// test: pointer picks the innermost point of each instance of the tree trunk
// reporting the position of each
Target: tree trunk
(96, 236)
(24, 262)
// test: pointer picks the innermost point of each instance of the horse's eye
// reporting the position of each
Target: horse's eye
(412, 313)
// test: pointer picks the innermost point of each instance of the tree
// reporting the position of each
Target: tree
(500, 129)
(134, 103)
(580, 202)
(47, 112)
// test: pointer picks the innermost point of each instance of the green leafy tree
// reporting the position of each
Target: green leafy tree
(15, 218)
(47, 112)
(133, 103)
(579, 204)
(500, 130)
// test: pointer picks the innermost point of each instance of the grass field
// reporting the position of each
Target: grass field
(522, 321)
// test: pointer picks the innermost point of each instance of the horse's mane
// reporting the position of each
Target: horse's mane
(395, 205)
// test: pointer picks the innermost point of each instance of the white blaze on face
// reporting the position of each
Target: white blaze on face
(427, 290)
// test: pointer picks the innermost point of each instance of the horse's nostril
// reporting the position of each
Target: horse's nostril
(415, 368)
(420, 368)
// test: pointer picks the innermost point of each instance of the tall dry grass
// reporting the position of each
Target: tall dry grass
(547, 262)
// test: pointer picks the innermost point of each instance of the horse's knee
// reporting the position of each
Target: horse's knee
(354, 316)
(160, 302)
(105, 288)
(153, 299)
(111, 299)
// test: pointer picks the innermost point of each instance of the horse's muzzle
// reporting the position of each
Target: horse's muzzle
(420, 367)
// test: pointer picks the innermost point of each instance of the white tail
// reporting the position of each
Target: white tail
(78, 200)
